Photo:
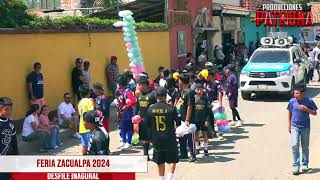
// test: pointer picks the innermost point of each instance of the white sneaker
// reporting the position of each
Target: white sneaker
(202, 145)
(220, 138)
(126, 146)
(76, 135)
(120, 145)
(233, 123)
(55, 147)
(238, 124)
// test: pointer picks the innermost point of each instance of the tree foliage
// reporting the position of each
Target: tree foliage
(13, 13)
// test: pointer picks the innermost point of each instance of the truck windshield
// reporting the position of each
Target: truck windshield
(270, 57)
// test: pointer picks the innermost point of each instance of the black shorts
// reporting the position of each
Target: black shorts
(166, 156)
(201, 126)
(144, 131)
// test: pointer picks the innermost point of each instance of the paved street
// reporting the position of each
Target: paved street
(259, 150)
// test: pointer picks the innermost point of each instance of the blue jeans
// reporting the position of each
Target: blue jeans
(298, 135)
(55, 137)
(112, 87)
(41, 137)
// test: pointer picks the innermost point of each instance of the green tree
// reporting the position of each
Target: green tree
(13, 13)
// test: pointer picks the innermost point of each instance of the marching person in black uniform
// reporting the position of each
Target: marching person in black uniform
(202, 115)
(162, 119)
(99, 138)
(145, 100)
(8, 137)
(186, 108)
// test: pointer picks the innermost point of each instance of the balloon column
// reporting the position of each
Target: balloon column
(131, 40)
(136, 120)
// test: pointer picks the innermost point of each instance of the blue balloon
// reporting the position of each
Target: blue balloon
(220, 115)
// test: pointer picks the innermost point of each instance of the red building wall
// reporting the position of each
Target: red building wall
(192, 9)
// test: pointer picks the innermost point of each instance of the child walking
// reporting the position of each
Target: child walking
(125, 102)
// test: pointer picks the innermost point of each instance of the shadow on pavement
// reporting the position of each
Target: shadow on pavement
(228, 140)
(313, 171)
(239, 130)
(313, 92)
(119, 152)
(253, 125)
(213, 159)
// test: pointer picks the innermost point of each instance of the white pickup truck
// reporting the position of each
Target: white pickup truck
(274, 69)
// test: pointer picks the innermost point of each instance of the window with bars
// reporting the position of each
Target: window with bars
(44, 4)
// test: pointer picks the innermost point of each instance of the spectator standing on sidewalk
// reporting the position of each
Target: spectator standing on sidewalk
(77, 77)
(35, 85)
(316, 53)
(102, 104)
(86, 73)
(112, 73)
(299, 109)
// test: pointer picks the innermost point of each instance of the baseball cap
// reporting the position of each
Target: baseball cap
(230, 67)
(113, 57)
(93, 117)
(209, 64)
(161, 91)
(198, 85)
(79, 61)
(5, 101)
(98, 87)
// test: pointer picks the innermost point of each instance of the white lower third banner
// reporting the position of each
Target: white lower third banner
(137, 164)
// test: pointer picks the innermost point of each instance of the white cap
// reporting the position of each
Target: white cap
(209, 64)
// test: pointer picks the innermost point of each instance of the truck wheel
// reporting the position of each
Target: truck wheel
(291, 92)
(245, 95)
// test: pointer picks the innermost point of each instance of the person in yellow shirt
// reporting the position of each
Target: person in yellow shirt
(85, 104)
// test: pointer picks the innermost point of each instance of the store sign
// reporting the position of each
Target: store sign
(182, 43)
(229, 23)
(181, 14)
(284, 15)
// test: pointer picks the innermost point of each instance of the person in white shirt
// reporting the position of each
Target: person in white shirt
(31, 130)
(316, 52)
(67, 115)
(165, 74)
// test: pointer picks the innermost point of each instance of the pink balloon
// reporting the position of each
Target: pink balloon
(136, 119)
(118, 24)
(129, 45)
(134, 71)
(140, 69)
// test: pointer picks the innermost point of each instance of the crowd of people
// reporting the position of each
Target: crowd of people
(172, 98)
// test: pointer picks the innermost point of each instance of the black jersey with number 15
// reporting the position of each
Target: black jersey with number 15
(161, 118)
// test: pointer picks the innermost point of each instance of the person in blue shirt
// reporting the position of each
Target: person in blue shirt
(299, 109)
